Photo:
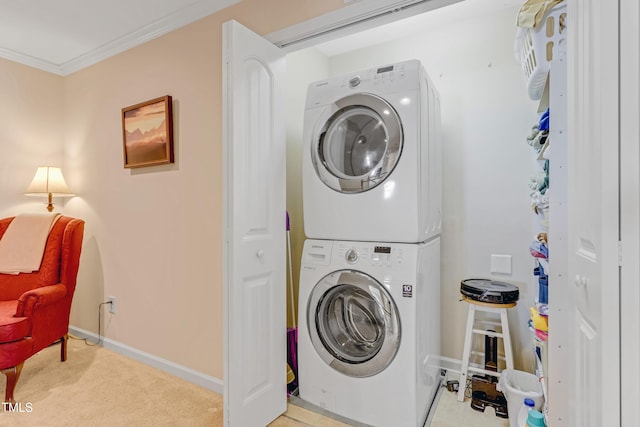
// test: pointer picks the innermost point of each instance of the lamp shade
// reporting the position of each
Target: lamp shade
(48, 180)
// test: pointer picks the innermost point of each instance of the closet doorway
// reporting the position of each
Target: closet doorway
(300, 33)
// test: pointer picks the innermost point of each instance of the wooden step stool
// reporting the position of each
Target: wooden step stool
(478, 306)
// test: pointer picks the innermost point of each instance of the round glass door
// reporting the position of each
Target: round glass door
(353, 323)
(359, 145)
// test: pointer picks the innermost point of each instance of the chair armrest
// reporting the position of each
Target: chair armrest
(40, 296)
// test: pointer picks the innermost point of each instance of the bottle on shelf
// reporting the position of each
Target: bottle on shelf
(527, 406)
(535, 419)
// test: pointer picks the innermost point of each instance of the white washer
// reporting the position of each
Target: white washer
(369, 329)
(371, 156)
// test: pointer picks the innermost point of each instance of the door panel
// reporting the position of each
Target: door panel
(587, 349)
(254, 145)
(630, 207)
(593, 167)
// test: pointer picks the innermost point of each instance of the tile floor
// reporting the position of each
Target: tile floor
(451, 413)
(448, 413)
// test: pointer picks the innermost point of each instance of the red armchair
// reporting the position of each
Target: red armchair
(34, 307)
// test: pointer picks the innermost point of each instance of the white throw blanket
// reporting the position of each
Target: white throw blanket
(22, 245)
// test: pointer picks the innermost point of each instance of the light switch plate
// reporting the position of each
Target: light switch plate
(501, 264)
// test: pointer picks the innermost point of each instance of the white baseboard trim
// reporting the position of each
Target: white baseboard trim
(449, 364)
(187, 374)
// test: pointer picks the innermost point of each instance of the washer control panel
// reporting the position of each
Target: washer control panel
(376, 255)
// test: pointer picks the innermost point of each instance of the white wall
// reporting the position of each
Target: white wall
(486, 116)
(303, 67)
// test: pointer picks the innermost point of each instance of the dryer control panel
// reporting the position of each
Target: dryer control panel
(390, 78)
(376, 76)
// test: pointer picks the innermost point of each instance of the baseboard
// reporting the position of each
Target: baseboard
(187, 374)
(449, 364)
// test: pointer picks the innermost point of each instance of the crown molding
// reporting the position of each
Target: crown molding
(147, 33)
(30, 61)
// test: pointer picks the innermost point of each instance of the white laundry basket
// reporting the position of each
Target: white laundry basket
(516, 386)
(534, 48)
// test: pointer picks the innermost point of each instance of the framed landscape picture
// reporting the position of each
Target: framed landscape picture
(147, 131)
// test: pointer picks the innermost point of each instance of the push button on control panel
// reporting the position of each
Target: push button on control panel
(382, 260)
(381, 256)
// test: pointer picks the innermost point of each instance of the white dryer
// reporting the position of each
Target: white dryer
(369, 329)
(371, 156)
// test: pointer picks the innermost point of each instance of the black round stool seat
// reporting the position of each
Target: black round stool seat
(489, 291)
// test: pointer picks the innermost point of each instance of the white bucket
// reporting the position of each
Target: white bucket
(516, 386)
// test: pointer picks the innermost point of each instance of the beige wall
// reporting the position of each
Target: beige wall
(154, 235)
(30, 132)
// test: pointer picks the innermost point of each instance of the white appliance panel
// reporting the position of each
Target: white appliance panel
(401, 394)
(403, 205)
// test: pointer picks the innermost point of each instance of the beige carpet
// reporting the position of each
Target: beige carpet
(98, 387)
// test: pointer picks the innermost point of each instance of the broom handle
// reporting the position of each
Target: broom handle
(294, 319)
(293, 305)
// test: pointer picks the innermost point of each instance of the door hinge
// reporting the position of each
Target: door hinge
(619, 254)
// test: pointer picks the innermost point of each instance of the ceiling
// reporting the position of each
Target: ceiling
(63, 36)
(465, 9)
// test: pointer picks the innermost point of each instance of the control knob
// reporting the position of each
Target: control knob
(352, 256)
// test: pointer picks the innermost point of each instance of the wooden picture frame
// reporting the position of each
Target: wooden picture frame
(147, 133)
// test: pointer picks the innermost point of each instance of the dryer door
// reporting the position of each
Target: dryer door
(359, 145)
(353, 323)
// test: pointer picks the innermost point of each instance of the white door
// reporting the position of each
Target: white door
(593, 213)
(630, 208)
(255, 251)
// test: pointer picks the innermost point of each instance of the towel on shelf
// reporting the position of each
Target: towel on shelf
(22, 245)
(532, 12)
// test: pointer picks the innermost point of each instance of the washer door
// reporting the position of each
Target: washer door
(353, 323)
(358, 147)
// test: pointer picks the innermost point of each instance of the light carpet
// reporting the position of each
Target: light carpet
(98, 387)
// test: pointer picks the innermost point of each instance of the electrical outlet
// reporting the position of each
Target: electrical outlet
(112, 305)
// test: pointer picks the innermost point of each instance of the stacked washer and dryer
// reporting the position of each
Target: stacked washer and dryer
(369, 298)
